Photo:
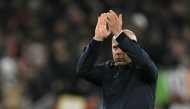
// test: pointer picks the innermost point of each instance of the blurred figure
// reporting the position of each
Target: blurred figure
(38, 70)
(62, 66)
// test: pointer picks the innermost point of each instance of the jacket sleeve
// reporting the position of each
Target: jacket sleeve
(138, 56)
(86, 68)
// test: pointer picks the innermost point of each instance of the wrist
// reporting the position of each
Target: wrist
(98, 38)
(115, 36)
(117, 33)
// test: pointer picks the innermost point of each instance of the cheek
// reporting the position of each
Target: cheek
(125, 56)
(114, 55)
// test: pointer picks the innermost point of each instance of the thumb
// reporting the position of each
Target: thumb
(109, 31)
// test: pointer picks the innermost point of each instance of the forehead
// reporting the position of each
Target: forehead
(114, 42)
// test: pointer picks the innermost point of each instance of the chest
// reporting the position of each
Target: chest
(115, 85)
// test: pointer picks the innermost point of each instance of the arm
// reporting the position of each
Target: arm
(138, 56)
(85, 67)
(131, 48)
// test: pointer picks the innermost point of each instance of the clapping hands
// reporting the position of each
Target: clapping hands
(101, 31)
(114, 23)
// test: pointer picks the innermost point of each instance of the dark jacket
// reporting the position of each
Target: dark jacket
(133, 88)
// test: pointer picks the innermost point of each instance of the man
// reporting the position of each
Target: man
(128, 82)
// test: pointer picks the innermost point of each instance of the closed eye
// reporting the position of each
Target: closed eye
(115, 47)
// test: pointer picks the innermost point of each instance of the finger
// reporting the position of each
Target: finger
(113, 13)
(120, 18)
(98, 21)
(104, 19)
(108, 21)
(113, 16)
(110, 17)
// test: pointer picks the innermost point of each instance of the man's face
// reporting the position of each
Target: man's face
(119, 56)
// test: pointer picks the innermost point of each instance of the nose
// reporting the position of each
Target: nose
(119, 51)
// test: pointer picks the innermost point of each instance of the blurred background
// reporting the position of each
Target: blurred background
(42, 40)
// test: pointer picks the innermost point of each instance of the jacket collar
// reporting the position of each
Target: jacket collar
(128, 65)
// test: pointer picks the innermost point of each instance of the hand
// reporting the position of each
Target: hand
(114, 22)
(101, 31)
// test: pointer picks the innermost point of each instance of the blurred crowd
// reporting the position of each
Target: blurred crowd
(42, 40)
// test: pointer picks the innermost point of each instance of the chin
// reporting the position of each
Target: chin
(121, 63)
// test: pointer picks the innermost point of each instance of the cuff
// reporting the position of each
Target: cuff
(121, 37)
(95, 44)
(117, 35)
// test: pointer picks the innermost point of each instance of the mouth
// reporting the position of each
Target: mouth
(119, 59)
